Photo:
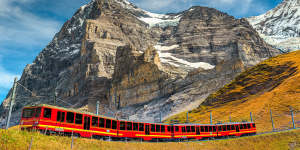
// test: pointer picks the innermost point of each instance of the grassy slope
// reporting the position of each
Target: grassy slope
(19, 140)
(273, 84)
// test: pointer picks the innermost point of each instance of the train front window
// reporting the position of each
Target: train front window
(38, 112)
(47, 113)
(28, 113)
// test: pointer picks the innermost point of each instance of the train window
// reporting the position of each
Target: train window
(241, 126)
(78, 119)
(157, 128)
(47, 113)
(163, 128)
(193, 128)
(101, 122)
(141, 127)
(95, 121)
(248, 125)
(38, 112)
(228, 127)
(232, 127)
(219, 128)
(122, 125)
(135, 126)
(253, 125)
(152, 128)
(202, 129)
(58, 116)
(206, 128)
(114, 124)
(70, 117)
(129, 125)
(188, 128)
(210, 128)
(28, 113)
(183, 129)
(214, 129)
(224, 128)
(108, 123)
(169, 128)
(176, 128)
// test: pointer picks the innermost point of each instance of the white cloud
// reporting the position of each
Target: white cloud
(22, 27)
(6, 78)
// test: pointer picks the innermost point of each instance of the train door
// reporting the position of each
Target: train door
(237, 128)
(147, 129)
(198, 130)
(87, 123)
(172, 131)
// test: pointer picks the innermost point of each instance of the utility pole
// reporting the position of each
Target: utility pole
(97, 108)
(272, 119)
(187, 117)
(292, 115)
(12, 101)
(160, 118)
(211, 121)
(54, 100)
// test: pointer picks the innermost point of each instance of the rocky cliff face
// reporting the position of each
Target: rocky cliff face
(280, 26)
(137, 63)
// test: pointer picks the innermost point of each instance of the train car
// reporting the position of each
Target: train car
(57, 120)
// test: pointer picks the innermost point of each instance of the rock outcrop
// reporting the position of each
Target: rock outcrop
(137, 63)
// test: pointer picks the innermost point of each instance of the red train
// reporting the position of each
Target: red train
(52, 119)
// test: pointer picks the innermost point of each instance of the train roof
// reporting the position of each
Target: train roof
(70, 109)
(93, 114)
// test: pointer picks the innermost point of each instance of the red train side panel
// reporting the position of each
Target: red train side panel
(53, 119)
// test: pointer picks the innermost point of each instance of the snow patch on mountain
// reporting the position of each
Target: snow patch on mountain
(160, 20)
(280, 26)
(168, 58)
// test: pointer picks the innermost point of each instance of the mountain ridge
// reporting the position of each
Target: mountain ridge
(280, 25)
(190, 58)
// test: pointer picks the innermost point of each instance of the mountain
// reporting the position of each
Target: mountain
(280, 26)
(137, 63)
(273, 84)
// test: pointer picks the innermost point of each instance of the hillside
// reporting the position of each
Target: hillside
(273, 84)
(14, 139)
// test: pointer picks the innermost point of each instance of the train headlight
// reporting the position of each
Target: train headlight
(36, 123)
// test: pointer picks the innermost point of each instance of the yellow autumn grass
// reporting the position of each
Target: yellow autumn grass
(19, 140)
(236, 100)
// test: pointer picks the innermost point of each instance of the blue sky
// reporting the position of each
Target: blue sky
(27, 26)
